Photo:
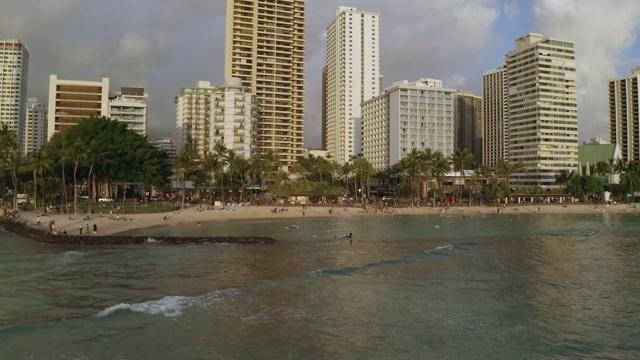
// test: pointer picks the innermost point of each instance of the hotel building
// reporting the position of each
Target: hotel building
(542, 109)
(624, 115)
(192, 117)
(130, 106)
(70, 101)
(165, 144)
(408, 115)
(494, 116)
(265, 47)
(468, 120)
(233, 118)
(352, 77)
(14, 76)
(36, 129)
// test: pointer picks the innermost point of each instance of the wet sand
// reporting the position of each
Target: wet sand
(192, 214)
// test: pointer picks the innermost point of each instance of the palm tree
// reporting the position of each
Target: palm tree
(440, 167)
(210, 165)
(221, 152)
(59, 144)
(33, 163)
(460, 160)
(271, 163)
(298, 170)
(564, 177)
(364, 170)
(505, 170)
(427, 157)
(184, 164)
(412, 165)
(95, 155)
(230, 158)
(77, 155)
(11, 156)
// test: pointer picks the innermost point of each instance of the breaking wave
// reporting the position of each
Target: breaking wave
(171, 306)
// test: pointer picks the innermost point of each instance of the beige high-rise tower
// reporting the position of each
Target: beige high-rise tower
(624, 116)
(542, 109)
(494, 117)
(265, 46)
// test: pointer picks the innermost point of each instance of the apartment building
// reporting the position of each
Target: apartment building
(352, 77)
(233, 118)
(36, 127)
(14, 77)
(130, 106)
(265, 47)
(624, 114)
(70, 101)
(468, 124)
(192, 117)
(542, 109)
(408, 115)
(494, 117)
(165, 144)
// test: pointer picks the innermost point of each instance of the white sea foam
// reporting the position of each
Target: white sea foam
(171, 306)
(316, 273)
(445, 247)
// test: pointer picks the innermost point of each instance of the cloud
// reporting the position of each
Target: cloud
(603, 32)
(455, 81)
(511, 11)
(419, 39)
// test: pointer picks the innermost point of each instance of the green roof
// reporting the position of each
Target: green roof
(594, 153)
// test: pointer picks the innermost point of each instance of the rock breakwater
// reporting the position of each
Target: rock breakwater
(46, 237)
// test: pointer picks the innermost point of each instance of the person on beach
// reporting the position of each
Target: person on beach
(95, 229)
(87, 227)
(80, 229)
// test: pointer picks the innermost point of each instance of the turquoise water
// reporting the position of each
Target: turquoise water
(506, 287)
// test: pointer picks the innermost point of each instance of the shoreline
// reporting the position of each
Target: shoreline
(26, 230)
(107, 226)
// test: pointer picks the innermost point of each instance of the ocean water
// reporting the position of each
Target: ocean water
(507, 287)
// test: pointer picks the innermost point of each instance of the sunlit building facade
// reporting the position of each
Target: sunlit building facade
(265, 47)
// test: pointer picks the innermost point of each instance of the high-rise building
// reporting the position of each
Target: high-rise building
(624, 114)
(352, 77)
(416, 115)
(165, 144)
(192, 117)
(70, 101)
(542, 109)
(265, 47)
(14, 76)
(468, 120)
(36, 130)
(233, 113)
(494, 124)
(130, 106)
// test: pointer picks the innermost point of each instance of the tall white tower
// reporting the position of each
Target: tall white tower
(14, 75)
(36, 130)
(542, 108)
(352, 77)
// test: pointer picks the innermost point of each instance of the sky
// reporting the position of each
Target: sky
(164, 45)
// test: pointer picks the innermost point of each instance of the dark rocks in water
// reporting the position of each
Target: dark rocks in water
(44, 236)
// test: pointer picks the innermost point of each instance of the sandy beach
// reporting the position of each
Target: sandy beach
(193, 214)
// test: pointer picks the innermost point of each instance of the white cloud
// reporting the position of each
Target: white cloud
(511, 11)
(602, 31)
(455, 81)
